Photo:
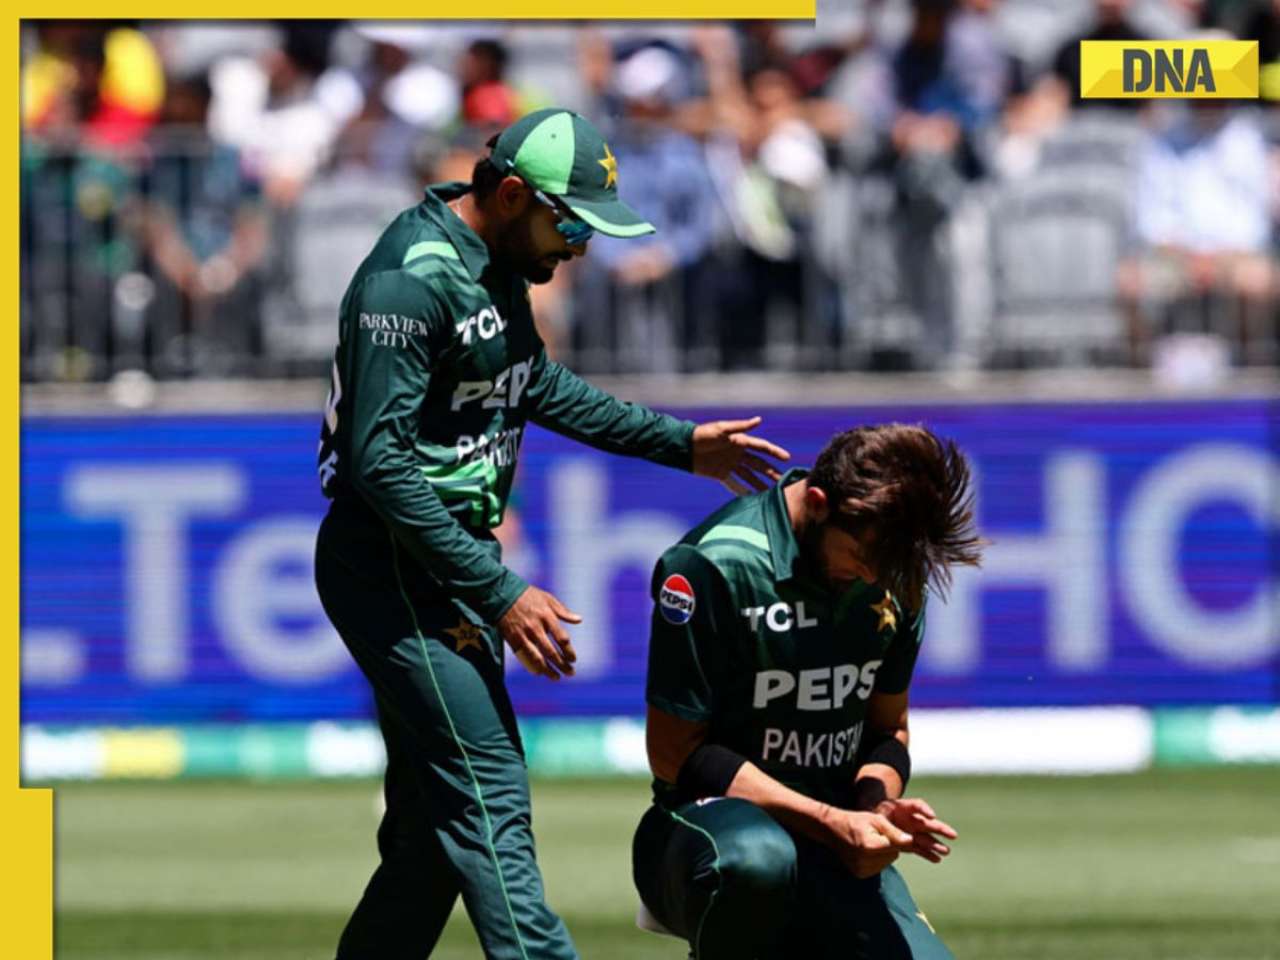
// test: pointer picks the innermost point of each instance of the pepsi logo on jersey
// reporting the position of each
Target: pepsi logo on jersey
(676, 600)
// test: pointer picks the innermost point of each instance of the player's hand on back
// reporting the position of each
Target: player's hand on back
(917, 818)
(725, 451)
(533, 629)
(866, 842)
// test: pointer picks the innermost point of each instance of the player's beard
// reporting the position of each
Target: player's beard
(517, 252)
(810, 543)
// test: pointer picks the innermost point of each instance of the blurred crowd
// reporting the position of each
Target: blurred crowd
(907, 184)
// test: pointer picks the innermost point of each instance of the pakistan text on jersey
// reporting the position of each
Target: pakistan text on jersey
(809, 749)
(500, 449)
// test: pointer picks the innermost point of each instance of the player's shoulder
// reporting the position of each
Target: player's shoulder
(419, 253)
(733, 541)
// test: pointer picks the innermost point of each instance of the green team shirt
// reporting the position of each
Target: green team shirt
(744, 638)
(438, 369)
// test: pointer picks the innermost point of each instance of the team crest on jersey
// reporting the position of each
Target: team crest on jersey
(676, 600)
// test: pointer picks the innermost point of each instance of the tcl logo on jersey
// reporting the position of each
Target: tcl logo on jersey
(504, 390)
(779, 617)
(487, 324)
(676, 600)
(823, 688)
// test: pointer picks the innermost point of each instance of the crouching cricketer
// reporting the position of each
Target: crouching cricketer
(437, 372)
(784, 635)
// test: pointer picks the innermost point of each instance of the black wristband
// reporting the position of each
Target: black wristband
(708, 771)
(888, 749)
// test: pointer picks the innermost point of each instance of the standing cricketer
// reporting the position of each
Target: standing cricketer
(437, 370)
(784, 635)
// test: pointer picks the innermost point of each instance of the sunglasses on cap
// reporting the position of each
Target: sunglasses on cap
(573, 228)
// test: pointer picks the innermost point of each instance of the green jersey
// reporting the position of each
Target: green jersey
(745, 638)
(437, 371)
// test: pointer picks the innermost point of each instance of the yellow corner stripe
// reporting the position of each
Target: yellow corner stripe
(142, 753)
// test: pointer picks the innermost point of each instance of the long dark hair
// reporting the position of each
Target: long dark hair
(905, 493)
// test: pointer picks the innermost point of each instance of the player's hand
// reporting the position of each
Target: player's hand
(917, 818)
(533, 629)
(725, 451)
(867, 842)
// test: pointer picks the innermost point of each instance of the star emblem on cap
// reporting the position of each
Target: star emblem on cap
(466, 634)
(610, 164)
(885, 608)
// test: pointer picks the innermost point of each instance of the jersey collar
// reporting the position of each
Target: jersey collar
(472, 250)
(783, 547)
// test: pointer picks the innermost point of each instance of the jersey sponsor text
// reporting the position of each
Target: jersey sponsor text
(779, 617)
(819, 689)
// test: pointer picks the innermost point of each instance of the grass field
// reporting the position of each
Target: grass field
(1158, 866)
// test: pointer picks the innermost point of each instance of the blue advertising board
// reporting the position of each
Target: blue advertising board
(1135, 558)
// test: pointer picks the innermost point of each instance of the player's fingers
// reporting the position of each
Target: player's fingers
(753, 462)
(563, 612)
(746, 475)
(764, 446)
(934, 825)
(923, 806)
(918, 807)
(940, 848)
(530, 658)
(926, 854)
(566, 646)
(873, 841)
(553, 646)
(737, 426)
(895, 836)
(734, 486)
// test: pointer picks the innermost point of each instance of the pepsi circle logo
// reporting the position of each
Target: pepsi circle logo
(676, 600)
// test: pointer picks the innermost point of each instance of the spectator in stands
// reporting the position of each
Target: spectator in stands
(1112, 21)
(281, 110)
(653, 287)
(1263, 25)
(488, 101)
(769, 151)
(951, 78)
(404, 99)
(98, 82)
(91, 91)
(200, 223)
(1201, 217)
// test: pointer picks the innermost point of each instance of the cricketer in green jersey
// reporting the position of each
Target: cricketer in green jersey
(784, 635)
(437, 371)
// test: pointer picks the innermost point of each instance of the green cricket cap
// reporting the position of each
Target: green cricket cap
(562, 154)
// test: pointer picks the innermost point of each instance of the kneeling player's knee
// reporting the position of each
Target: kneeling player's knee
(757, 857)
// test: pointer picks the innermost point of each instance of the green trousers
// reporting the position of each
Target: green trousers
(728, 878)
(458, 819)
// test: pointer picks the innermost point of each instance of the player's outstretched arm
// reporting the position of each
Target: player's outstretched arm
(726, 451)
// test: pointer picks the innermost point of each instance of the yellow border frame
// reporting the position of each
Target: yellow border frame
(26, 816)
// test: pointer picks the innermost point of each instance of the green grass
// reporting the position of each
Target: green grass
(1160, 866)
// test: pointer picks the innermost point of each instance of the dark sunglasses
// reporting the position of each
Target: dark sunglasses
(573, 228)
